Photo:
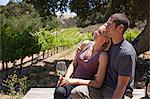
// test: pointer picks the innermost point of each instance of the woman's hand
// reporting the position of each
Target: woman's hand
(69, 81)
(59, 81)
(65, 81)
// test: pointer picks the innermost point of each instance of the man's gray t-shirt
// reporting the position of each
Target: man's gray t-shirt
(122, 57)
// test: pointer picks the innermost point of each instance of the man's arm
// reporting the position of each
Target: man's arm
(121, 87)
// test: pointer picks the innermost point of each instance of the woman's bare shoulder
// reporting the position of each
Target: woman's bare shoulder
(103, 54)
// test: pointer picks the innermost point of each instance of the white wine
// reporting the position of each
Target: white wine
(60, 72)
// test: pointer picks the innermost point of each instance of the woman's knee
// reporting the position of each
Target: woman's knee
(59, 92)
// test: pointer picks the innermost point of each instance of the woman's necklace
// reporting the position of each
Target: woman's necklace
(94, 51)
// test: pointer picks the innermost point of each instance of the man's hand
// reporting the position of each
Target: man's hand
(78, 50)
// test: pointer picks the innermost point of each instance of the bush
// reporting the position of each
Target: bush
(45, 39)
(17, 86)
(131, 34)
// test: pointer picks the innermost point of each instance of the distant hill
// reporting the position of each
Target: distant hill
(66, 16)
(67, 20)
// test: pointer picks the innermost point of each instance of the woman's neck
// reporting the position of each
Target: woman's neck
(97, 47)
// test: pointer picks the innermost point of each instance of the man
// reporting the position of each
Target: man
(121, 68)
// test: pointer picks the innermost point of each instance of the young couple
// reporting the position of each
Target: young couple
(114, 69)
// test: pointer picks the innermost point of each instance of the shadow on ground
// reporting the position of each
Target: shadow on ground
(142, 70)
(38, 75)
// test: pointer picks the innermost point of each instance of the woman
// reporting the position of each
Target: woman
(90, 60)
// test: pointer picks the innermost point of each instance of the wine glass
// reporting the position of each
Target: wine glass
(61, 68)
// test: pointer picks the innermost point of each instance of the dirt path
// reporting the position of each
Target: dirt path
(67, 54)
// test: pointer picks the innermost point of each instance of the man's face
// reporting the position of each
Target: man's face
(111, 27)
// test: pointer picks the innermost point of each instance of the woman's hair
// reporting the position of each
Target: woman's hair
(107, 45)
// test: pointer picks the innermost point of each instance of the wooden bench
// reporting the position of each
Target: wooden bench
(40, 93)
(48, 93)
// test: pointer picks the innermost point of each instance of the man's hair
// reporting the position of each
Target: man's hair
(120, 18)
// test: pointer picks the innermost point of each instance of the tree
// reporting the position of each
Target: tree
(49, 7)
(47, 10)
(89, 12)
(19, 23)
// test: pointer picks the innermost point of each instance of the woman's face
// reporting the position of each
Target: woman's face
(100, 35)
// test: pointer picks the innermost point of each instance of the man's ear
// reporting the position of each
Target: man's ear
(106, 40)
(121, 26)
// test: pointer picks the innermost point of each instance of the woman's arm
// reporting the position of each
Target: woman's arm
(69, 72)
(103, 60)
(71, 68)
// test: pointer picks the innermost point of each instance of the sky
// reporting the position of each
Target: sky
(66, 13)
(3, 2)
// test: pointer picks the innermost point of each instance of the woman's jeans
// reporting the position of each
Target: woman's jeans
(63, 92)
